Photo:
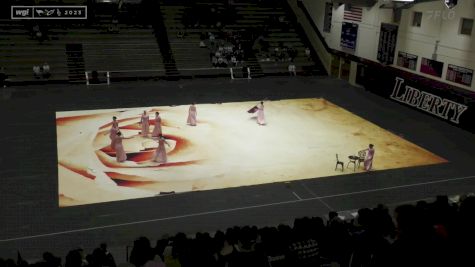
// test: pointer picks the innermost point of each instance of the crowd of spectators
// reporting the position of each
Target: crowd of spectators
(225, 48)
(440, 233)
(426, 234)
(100, 257)
(279, 53)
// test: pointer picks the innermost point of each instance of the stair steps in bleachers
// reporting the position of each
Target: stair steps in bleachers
(75, 60)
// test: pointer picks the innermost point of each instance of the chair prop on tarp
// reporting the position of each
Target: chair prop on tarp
(361, 157)
(338, 162)
(353, 160)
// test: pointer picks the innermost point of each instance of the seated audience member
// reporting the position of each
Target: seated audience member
(36, 71)
(304, 250)
(103, 257)
(50, 260)
(416, 243)
(141, 252)
(308, 53)
(211, 38)
(94, 77)
(180, 34)
(156, 261)
(75, 258)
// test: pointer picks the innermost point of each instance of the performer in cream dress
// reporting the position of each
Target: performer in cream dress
(261, 120)
(113, 132)
(145, 124)
(192, 115)
(368, 162)
(157, 130)
(161, 153)
(120, 154)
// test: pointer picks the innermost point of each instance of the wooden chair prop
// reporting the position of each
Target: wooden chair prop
(361, 157)
(353, 160)
(338, 162)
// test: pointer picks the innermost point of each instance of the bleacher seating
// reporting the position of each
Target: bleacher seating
(19, 52)
(129, 48)
(126, 48)
(250, 17)
(186, 50)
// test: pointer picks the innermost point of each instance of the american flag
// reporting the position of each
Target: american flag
(353, 13)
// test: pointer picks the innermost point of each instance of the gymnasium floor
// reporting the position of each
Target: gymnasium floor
(417, 157)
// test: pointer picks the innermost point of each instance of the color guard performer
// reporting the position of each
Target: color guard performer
(368, 162)
(145, 124)
(192, 115)
(113, 132)
(261, 120)
(157, 130)
(161, 153)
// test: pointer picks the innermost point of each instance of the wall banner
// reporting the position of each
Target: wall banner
(387, 43)
(349, 34)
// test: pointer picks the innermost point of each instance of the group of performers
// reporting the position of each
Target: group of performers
(160, 154)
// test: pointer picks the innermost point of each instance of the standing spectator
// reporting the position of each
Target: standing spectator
(292, 69)
(234, 60)
(3, 77)
(244, 71)
(308, 53)
(46, 70)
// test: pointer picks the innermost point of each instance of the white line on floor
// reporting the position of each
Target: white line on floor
(297, 196)
(315, 196)
(233, 209)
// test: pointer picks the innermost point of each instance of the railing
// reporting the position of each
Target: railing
(104, 77)
(312, 33)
